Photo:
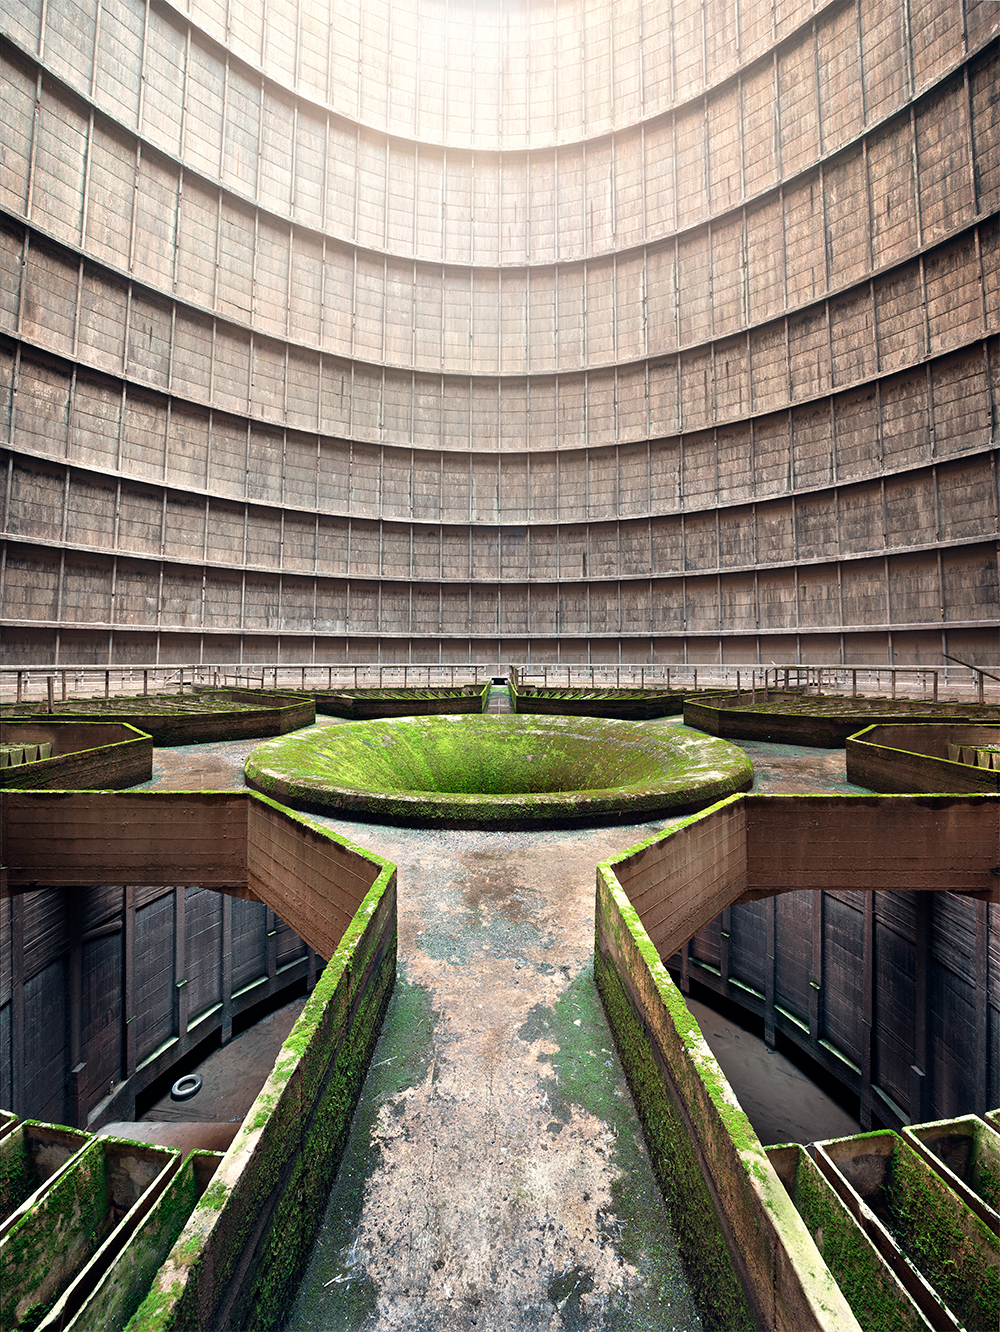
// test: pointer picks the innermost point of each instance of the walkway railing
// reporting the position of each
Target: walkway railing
(56, 684)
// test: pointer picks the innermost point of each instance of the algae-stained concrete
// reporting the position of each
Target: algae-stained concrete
(236, 1262)
(498, 771)
(184, 719)
(30, 1154)
(86, 756)
(876, 1296)
(752, 1259)
(496, 1176)
(900, 758)
(965, 1152)
(625, 704)
(823, 720)
(119, 1292)
(55, 1234)
(366, 704)
(894, 1192)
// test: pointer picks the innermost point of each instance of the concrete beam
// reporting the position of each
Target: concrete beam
(238, 843)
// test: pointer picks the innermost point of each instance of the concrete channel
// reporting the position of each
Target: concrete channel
(496, 1172)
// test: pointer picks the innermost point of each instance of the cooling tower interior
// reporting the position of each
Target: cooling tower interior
(474, 330)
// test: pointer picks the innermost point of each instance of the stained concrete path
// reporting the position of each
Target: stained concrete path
(496, 1175)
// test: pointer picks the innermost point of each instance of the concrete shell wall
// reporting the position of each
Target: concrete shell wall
(632, 331)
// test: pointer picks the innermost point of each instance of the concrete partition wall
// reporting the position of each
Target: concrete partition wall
(86, 756)
(315, 882)
(916, 758)
(890, 843)
(69, 838)
(237, 1260)
(650, 901)
(677, 883)
(748, 1255)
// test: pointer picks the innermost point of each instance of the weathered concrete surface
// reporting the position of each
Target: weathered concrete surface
(231, 1078)
(212, 767)
(496, 1174)
(782, 1104)
(495, 1169)
(498, 772)
(922, 758)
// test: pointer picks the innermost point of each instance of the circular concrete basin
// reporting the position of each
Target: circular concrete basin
(498, 771)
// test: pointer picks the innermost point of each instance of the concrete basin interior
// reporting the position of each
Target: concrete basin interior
(498, 771)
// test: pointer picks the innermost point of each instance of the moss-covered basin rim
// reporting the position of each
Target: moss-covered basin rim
(497, 770)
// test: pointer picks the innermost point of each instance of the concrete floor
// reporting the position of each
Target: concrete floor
(496, 1175)
(233, 1075)
(782, 1104)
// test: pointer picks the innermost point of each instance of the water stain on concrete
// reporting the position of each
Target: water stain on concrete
(506, 1184)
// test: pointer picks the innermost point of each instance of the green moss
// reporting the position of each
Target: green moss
(501, 771)
(823, 720)
(923, 1218)
(17, 1179)
(987, 1185)
(870, 1291)
(714, 1284)
(48, 1245)
(280, 1261)
(154, 1312)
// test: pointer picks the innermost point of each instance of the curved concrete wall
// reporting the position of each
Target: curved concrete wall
(624, 332)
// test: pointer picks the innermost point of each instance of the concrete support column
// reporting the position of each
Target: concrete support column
(129, 1057)
(17, 1004)
(76, 1089)
(867, 1010)
(227, 970)
(919, 1081)
(771, 915)
(180, 964)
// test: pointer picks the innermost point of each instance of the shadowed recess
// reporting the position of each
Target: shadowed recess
(498, 771)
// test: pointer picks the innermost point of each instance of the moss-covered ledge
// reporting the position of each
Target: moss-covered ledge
(905, 758)
(185, 719)
(624, 703)
(371, 704)
(238, 1259)
(749, 1257)
(825, 721)
(86, 756)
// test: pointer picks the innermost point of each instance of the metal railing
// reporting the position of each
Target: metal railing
(53, 685)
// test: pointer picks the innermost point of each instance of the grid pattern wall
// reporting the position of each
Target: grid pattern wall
(482, 75)
(314, 325)
(564, 264)
(113, 956)
(886, 982)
